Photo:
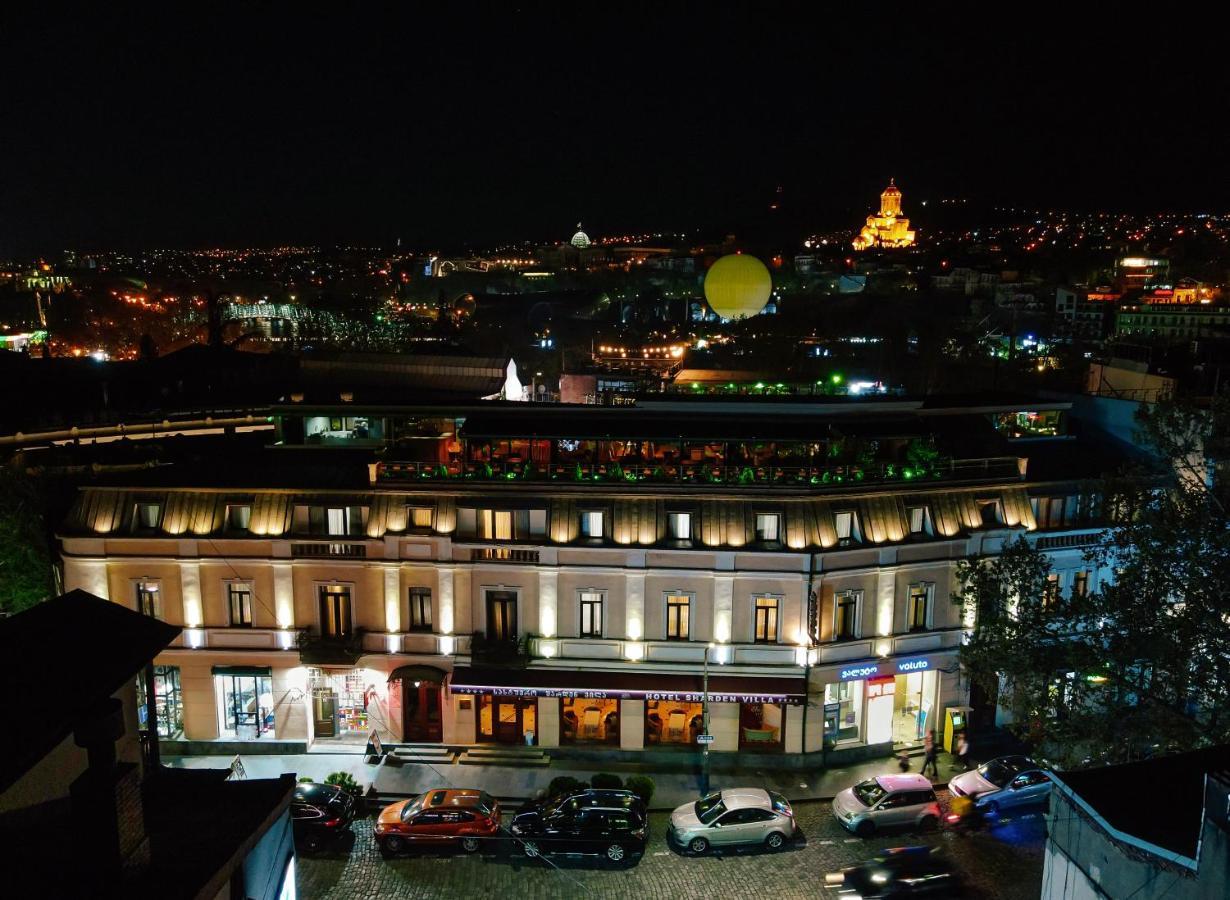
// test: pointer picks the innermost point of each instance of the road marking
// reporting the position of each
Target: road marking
(828, 843)
(851, 841)
(662, 853)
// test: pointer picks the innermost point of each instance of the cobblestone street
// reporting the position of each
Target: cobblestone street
(1001, 862)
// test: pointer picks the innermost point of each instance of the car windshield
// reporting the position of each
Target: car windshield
(486, 803)
(869, 792)
(996, 772)
(709, 808)
(408, 811)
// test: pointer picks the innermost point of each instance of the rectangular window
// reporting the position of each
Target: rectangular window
(591, 614)
(337, 521)
(1049, 511)
(768, 527)
(845, 624)
(680, 526)
(677, 608)
(918, 519)
(149, 599)
(1050, 594)
(419, 516)
(147, 516)
(238, 516)
(843, 523)
(335, 617)
(990, 513)
(239, 599)
(420, 609)
(766, 619)
(919, 606)
(591, 524)
(1080, 584)
(496, 524)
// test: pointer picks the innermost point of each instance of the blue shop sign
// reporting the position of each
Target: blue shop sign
(857, 672)
(914, 665)
(871, 670)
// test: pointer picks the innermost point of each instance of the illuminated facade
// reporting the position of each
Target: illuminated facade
(611, 558)
(889, 228)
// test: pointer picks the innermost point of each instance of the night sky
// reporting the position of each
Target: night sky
(125, 129)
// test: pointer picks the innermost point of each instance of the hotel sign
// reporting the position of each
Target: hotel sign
(621, 694)
(885, 667)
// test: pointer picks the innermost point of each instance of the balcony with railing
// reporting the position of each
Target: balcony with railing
(330, 649)
(333, 549)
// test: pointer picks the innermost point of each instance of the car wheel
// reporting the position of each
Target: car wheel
(530, 849)
(313, 842)
(992, 810)
(393, 845)
(698, 845)
(866, 828)
(615, 853)
(470, 844)
(928, 824)
(775, 841)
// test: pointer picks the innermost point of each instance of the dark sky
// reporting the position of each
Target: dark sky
(154, 128)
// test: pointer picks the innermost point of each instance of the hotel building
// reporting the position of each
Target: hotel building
(572, 576)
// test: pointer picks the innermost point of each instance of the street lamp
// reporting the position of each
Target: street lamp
(704, 725)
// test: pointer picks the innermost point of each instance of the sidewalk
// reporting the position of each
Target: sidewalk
(672, 788)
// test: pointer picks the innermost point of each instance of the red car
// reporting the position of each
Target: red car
(437, 818)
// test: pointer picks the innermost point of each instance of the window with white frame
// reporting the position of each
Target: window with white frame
(768, 527)
(239, 601)
(1051, 592)
(592, 524)
(919, 520)
(420, 609)
(1080, 583)
(149, 598)
(918, 606)
(679, 526)
(495, 524)
(591, 613)
(678, 614)
(846, 606)
(147, 515)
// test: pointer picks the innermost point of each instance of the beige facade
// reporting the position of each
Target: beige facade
(636, 604)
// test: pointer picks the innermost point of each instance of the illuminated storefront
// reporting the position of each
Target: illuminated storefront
(584, 721)
(887, 701)
(244, 696)
(347, 703)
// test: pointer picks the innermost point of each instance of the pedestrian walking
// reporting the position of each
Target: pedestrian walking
(929, 755)
(963, 751)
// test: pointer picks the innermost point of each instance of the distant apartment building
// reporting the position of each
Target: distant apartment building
(566, 577)
(1173, 321)
(1086, 312)
(1138, 273)
(968, 281)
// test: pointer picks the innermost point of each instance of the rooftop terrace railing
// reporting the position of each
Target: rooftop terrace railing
(702, 473)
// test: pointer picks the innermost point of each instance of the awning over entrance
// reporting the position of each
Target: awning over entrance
(627, 685)
(262, 671)
(418, 673)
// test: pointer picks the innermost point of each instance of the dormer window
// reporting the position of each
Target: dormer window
(919, 520)
(768, 527)
(845, 523)
(679, 526)
(147, 515)
(419, 517)
(593, 524)
(238, 516)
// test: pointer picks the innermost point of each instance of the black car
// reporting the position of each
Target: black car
(617, 832)
(576, 800)
(319, 813)
(899, 872)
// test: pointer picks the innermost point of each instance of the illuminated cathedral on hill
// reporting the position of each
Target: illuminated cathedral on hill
(889, 228)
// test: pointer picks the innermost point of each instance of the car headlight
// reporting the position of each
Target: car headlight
(516, 829)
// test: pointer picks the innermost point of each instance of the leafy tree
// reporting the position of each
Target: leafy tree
(1142, 665)
(25, 556)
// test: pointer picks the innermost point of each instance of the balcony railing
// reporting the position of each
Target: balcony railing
(704, 473)
(330, 650)
(335, 549)
(503, 554)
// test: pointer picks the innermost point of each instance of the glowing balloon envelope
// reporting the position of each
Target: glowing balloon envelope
(737, 286)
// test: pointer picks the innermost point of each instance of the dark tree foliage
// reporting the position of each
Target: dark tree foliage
(25, 558)
(1141, 665)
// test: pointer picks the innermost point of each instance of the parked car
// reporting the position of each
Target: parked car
(617, 830)
(735, 817)
(899, 872)
(437, 818)
(1003, 783)
(580, 798)
(319, 813)
(888, 801)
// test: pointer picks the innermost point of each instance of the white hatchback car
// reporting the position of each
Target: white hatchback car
(737, 816)
(888, 801)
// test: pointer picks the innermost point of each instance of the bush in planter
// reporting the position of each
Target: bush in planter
(642, 786)
(606, 781)
(563, 784)
(346, 782)
(306, 779)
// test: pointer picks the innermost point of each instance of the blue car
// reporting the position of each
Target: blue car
(1004, 783)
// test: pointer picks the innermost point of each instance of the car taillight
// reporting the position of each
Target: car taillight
(639, 833)
(332, 822)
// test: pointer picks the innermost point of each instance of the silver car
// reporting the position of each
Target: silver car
(735, 817)
(1003, 783)
(887, 801)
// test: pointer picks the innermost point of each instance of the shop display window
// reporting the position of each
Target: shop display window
(168, 701)
(843, 710)
(671, 723)
(761, 726)
(589, 721)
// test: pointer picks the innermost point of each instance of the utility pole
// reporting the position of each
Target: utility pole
(704, 726)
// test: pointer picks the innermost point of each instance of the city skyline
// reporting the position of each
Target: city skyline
(138, 131)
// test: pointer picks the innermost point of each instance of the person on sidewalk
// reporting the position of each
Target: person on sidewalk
(929, 754)
(963, 751)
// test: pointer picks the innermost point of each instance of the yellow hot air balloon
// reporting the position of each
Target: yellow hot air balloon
(737, 286)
